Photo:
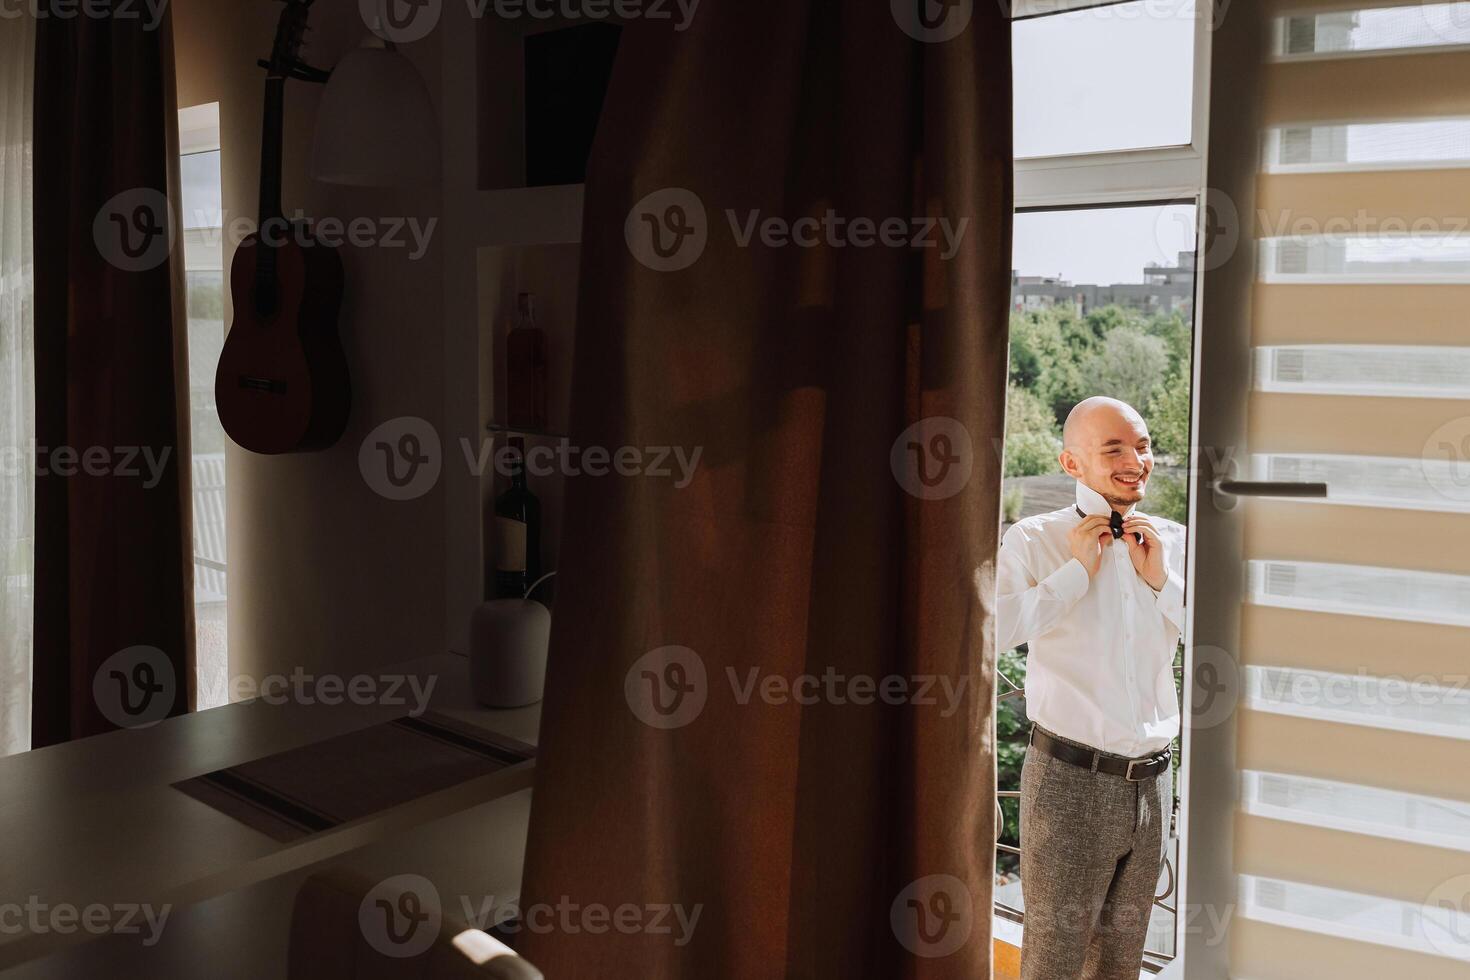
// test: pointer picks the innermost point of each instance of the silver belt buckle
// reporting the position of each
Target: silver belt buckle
(1128, 774)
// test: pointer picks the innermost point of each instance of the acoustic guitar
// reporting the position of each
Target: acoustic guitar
(282, 385)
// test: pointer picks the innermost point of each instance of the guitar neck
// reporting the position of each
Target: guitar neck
(271, 139)
(271, 229)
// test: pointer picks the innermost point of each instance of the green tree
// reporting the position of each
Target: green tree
(1130, 366)
(1011, 730)
(1030, 350)
(1106, 319)
(1032, 437)
(1168, 417)
(1174, 331)
(1012, 498)
(1081, 336)
(1168, 426)
(1047, 349)
(205, 296)
(1167, 497)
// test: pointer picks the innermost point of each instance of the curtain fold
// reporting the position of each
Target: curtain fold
(17, 372)
(113, 600)
(846, 396)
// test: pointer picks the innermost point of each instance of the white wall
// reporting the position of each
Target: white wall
(324, 573)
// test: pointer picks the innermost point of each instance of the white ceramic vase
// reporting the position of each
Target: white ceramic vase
(509, 639)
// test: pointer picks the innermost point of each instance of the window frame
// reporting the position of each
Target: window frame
(1121, 176)
(1142, 176)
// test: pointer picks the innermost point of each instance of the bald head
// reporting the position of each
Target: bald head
(1091, 415)
(1106, 446)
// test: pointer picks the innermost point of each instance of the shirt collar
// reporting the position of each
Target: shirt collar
(1093, 502)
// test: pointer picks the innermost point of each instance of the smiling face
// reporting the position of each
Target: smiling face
(1107, 448)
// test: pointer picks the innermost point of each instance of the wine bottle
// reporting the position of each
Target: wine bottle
(517, 530)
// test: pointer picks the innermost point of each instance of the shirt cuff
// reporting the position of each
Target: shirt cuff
(1069, 582)
(1170, 599)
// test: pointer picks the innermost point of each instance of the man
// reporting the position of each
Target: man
(1102, 617)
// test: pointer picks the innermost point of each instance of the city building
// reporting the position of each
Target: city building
(1163, 289)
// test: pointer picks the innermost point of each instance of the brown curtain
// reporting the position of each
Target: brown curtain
(113, 543)
(822, 839)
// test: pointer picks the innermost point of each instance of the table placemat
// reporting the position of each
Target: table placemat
(316, 787)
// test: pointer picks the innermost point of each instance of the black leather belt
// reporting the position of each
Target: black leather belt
(1133, 770)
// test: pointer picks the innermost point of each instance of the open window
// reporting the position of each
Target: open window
(1109, 182)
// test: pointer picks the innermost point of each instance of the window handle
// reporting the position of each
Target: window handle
(1270, 488)
(1226, 492)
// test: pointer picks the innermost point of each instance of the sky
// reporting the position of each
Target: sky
(1105, 78)
(1101, 245)
(200, 175)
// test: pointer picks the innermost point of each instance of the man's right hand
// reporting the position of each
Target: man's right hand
(1088, 541)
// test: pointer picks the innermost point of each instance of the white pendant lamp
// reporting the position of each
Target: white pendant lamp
(376, 126)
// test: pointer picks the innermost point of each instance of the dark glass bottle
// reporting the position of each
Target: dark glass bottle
(525, 351)
(517, 530)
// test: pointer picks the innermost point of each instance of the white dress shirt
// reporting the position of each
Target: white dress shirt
(1100, 666)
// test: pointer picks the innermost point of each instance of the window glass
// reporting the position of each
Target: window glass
(1361, 590)
(1433, 927)
(1431, 256)
(1368, 146)
(1396, 703)
(1417, 25)
(1418, 371)
(1438, 480)
(1358, 809)
(1116, 77)
(203, 221)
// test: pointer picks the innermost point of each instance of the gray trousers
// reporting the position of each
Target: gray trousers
(1092, 848)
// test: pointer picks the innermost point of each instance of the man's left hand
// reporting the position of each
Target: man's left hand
(1148, 556)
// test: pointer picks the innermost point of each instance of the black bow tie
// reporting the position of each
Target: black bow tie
(1115, 522)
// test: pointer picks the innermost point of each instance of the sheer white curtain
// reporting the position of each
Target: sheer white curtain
(17, 379)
